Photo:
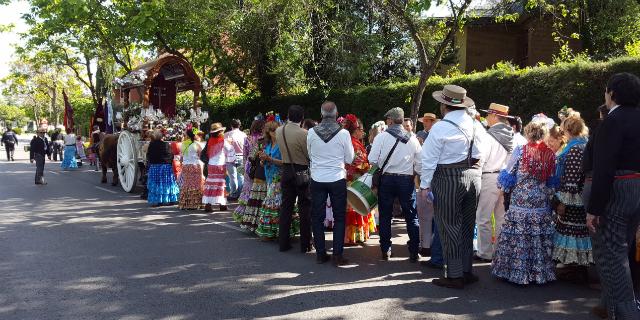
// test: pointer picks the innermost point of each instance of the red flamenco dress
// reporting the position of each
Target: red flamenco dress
(176, 150)
(358, 227)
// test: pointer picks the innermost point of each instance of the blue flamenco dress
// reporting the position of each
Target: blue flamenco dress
(525, 245)
(69, 158)
(161, 181)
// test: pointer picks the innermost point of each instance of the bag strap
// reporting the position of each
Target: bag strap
(470, 151)
(286, 145)
(389, 155)
(500, 143)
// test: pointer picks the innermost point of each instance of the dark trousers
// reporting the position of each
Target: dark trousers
(455, 203)
(9, 147)
(401, 188)
(291, 192)
(39, 158)
(436, 247)
(611, 244)
(57, 150)
(337, 192)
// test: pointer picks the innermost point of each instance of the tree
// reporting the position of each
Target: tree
(407, 13)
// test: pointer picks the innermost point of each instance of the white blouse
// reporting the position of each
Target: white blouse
(191, 154)
(69, 139)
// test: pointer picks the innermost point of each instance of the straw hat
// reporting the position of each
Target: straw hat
(454, 96)
(428, 116)
(498, 109)
(217, 127)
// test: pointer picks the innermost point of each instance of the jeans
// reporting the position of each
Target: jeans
(337, 192)
(403, 188)
(436, 247)
(290, 191)
(236, 179)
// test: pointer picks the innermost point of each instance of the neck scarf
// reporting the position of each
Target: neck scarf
(327, 129)
(503, 134)
(538, 160)
(398, 132)
(214, 145)
(562, 157)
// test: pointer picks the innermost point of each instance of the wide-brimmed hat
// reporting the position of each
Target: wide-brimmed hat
(217, 127)
(428, 116)
(498, 109)
(452, 95)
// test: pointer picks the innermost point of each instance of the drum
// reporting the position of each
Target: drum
(360, 196)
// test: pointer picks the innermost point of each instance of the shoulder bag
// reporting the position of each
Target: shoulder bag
(375, 179)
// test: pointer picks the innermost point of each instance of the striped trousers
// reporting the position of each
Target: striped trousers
(456, 193)
(611, 244)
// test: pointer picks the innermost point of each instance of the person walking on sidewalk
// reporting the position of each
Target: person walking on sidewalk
(38, 150)
(234, 166)
(10, 141)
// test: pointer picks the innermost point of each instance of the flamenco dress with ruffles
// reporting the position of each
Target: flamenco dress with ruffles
(176, 149)
(524, 250)
(269, 219)
(250, 144)
(161, 181)
(215, 154)
(191, 180)
(258, 193)
(572, 243)
(357, 227)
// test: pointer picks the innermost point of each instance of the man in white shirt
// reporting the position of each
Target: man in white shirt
(397, 153)
(500, 144)
(451, 180)
(236, 178)
(329, 149)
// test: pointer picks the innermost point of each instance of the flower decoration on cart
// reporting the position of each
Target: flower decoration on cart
(134, 78)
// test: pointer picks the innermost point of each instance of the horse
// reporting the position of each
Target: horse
(108, 157)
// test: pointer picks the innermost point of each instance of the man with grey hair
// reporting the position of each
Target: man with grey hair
(397, 153)
(329, 149)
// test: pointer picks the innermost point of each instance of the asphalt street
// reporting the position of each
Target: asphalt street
(78, 249)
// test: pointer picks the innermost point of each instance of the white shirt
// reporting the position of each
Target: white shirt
(495, 157)
(614, 107)
(236, 138)
(405, 158)
(519, 140)
(221, 158)
(328, 159)
(69, 139)
(446, 144)
(191, 154)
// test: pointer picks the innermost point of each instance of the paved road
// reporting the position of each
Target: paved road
(76, 249)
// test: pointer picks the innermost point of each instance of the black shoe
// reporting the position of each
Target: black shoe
(470, 278)
(306, 249)
(453, 283)
(322, 258)
(223, 208)
(480, 259)
(338, 260)
(413, 257)
(285, 248)
(431, 265)
(425, 252)
(386, 255)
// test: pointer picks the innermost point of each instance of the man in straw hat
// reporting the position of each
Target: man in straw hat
(215, 155)
(491, 201)
(451, 177)
(38, 150)
(397, 153)
(427, 120)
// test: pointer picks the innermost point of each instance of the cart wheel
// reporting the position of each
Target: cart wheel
(127, 161)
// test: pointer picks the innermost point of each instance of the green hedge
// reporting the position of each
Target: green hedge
(579, 85)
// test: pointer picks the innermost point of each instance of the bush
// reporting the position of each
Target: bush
(547, 89)
(17, 130)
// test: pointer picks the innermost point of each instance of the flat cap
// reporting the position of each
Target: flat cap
(395, 113)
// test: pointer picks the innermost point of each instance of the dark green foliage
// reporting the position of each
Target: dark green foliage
(579, 85)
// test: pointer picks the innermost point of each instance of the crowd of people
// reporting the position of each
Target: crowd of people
(547, 200)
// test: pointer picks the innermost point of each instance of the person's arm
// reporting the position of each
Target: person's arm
(431, 150)
(570, 189)
(607, 148)
(349, 153)
(309, 140)
(417, 155)
(375, 152)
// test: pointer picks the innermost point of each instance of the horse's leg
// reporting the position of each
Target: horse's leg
(115, 174)
(104, 172)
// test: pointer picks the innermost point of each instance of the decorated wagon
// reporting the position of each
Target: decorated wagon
(148, 96)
